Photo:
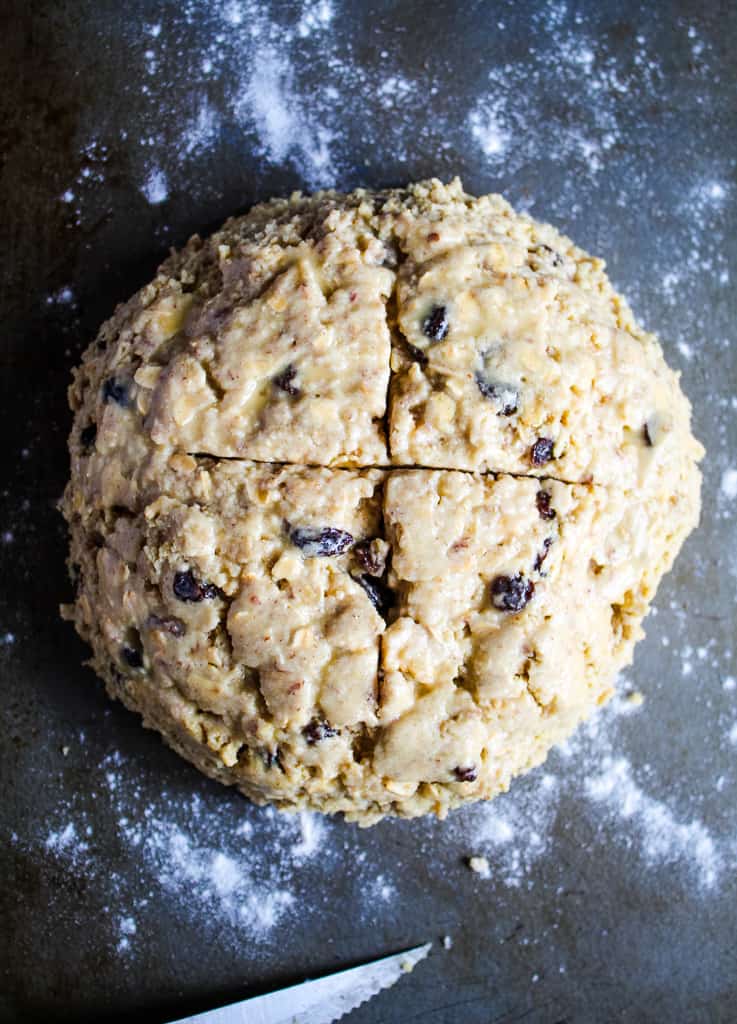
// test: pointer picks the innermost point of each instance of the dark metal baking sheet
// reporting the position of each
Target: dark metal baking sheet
(611, 894)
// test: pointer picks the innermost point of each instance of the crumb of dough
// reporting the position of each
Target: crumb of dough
(480, 865)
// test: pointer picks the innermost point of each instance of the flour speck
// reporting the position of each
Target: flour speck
(488, 131)
(729, 483)
(315, 17)
(155, 188)
(126, 930)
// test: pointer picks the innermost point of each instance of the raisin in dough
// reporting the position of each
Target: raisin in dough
(370, 495)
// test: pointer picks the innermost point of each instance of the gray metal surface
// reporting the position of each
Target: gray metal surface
(612, 902)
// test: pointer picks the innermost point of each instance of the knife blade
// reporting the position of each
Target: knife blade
(317, 1002)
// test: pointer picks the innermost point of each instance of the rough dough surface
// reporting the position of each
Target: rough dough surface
(369, 497)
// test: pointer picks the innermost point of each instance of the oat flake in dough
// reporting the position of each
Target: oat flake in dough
(369, 497)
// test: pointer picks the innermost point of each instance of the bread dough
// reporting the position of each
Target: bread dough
(369, 497)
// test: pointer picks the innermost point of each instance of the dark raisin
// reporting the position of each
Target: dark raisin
(169, 624)
(436, 326)
(318, 730)
(379, 594)
(285, 381)
(188, 588)
(542, 555)
(542, 451)
(325, 541)
(367, 558)
(647, 435)
(469, 774)
(511, 593)
(115, 391)
(542, 500)
(504, 396)
(133, 657)
(88, 436)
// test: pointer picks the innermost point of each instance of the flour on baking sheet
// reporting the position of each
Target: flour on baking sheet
(278, 123)
(517, 831)
(242, 872)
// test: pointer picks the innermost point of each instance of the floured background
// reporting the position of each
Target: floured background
(131, 884)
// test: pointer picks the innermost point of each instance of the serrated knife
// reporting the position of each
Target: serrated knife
(317, 1002)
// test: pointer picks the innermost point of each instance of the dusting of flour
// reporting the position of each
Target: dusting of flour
(254, 61)
(244, 873)
(516, 831)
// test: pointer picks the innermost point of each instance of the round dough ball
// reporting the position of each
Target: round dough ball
(369, 497)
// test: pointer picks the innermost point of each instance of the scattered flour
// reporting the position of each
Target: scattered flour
(189, 869)
(517, 830)
(382, 890)
(729, 483)
(126, 930)
(315, 17)
(313, 833)
(62, 297)
(155, 187)
(484, 121)
(664, 839)
(65, 839)
(199, 134)
(241, 872)
(224, 872)
(297, 93)
(284, 123)
(248, 86)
